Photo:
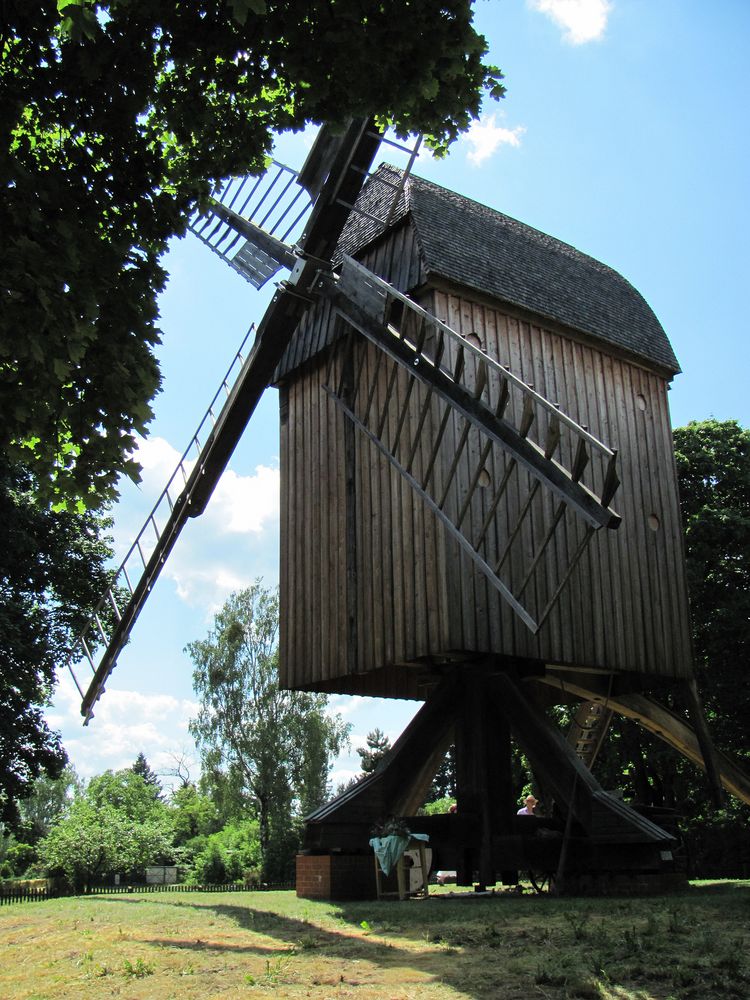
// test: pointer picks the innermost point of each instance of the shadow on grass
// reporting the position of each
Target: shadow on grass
(395, 937)
(478, 945)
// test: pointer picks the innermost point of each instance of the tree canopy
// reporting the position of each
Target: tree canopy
(142, 768)
(376, 747)
(52, 571)
(273, 747)
(116, 118)
(713, 464)
(115, 826)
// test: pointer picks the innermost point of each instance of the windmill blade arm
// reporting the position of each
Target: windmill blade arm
(131, 611)
(353, 157)
(274, 333)
(526, 453)
(279, 251)
(272, 337)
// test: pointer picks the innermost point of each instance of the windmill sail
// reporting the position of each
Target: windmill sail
(484, 442)
(248, 226)
(250, 223)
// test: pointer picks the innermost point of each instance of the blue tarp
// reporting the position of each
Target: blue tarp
(389, 849)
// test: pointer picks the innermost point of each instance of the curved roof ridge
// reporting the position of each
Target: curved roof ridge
(476, 246)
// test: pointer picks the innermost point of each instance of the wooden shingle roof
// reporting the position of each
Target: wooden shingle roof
(475, 246)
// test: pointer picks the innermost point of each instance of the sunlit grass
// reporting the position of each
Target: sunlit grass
(690, 946)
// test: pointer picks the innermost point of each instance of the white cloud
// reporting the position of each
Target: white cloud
(209, 562)
(206, 584)
(581, 20)
(245, 504)
(239, 504)
(126, 723)
(485, 136)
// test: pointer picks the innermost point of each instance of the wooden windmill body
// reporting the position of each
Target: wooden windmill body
(479, 511)
(373, 587)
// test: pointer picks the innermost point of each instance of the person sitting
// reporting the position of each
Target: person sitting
(527, 809)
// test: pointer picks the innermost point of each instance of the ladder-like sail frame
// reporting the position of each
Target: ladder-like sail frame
(474, 414)
(333, 175)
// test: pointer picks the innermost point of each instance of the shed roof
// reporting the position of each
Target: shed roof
(466, 242)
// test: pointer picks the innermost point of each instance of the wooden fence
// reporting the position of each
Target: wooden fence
(98, 890)
(10, 894)
(14, 894)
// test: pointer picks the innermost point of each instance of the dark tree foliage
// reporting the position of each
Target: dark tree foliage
(116, 118)
(713, 465)
(51, 573)
(444, 782)
(376, 747)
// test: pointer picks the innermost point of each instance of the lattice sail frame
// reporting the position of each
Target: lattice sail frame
(248, 226)
(273, 205)
(110, 624)
(519, 485)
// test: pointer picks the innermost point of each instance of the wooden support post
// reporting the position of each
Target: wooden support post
(708, 752)
(483, 775)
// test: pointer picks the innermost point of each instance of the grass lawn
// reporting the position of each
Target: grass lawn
(225, 945)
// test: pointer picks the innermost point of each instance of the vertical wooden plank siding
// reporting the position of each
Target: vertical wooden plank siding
(416, 595)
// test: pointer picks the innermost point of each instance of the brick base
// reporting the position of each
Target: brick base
(336, 876)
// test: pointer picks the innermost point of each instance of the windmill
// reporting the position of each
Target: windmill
(479, 508)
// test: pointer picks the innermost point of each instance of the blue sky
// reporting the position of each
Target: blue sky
(624, 133)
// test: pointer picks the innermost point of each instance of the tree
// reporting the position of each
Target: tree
(94, 840)
(193, 814)
(116, 825)
(713, 464)
(141, 768)
(116, 118)
(232, 854)
(444, 782)
(376, 747)
(273, 746)
(128, 793)
(50, 798)
(52, 572)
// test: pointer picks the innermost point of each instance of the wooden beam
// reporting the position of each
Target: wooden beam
(402, 779)
(483, 774)
(425, 497)
(498, 429)
(708, 751)
(603, 817)
(660, 721)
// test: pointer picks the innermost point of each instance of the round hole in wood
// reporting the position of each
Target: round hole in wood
(484, 478)
(640, 401)
(653, 522)
(474, 339)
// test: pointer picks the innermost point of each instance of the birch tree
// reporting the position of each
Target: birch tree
(277, 745)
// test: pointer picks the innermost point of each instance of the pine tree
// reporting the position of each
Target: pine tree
(141, 767)
(377, 747)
